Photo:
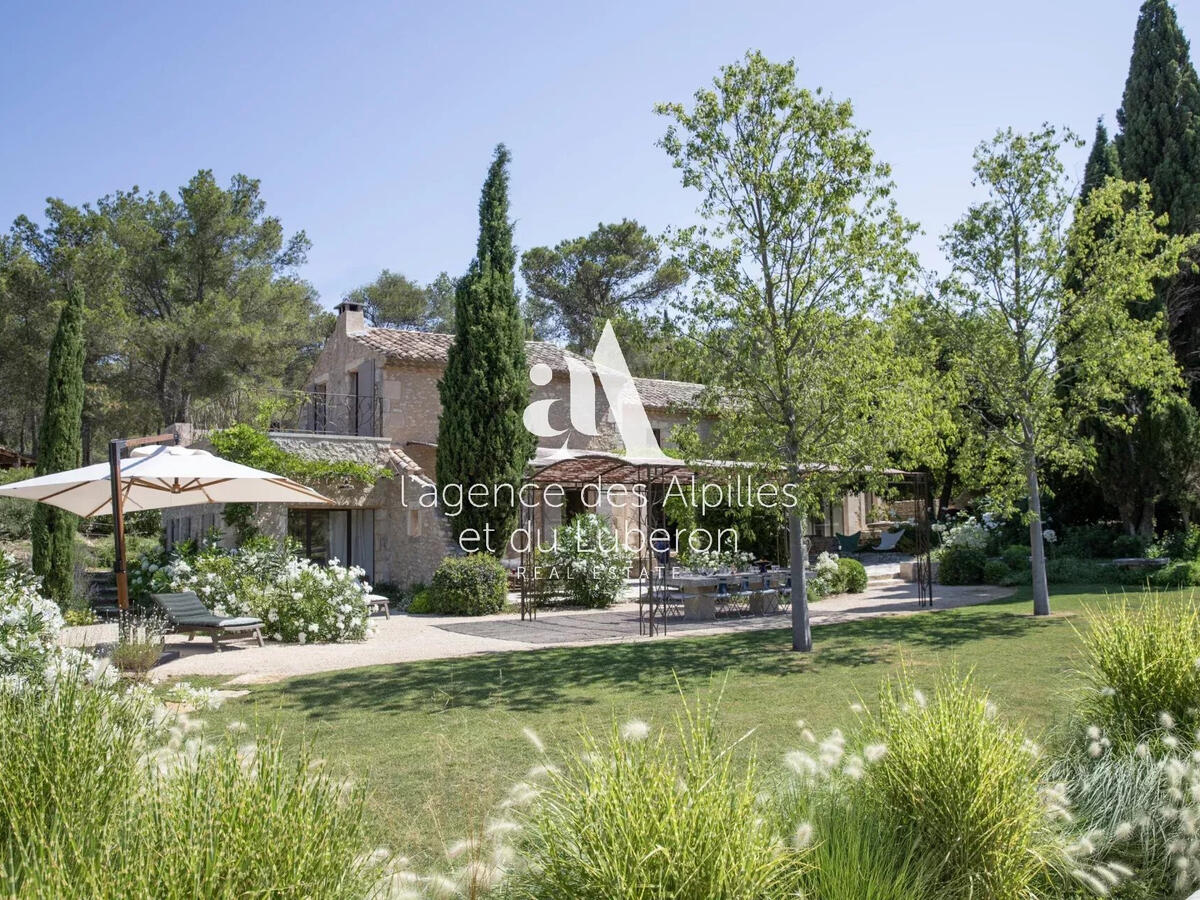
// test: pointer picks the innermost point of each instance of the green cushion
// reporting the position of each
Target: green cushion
(186, 609)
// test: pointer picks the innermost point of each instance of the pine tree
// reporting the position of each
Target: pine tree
(60, 447)
(482, 439)
(1160, 117)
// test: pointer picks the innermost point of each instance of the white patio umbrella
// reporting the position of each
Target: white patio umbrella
(156, 477)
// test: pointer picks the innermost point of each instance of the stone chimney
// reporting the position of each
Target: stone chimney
(350, 317)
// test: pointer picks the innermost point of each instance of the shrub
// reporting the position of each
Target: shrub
(828, 579)
(1127, 545)
(591, 561)
(1016, 556)
(1089, 541)
(1178, 545)
(961, 565)
(16, 516)
(852, 575)
(298, 599)
(1065, 570)
(995, 572)
(637, 814)
(1141, 663)
(29, 624)
(139, 642)
(966, 533)
(1178, 573)
(100, 799)
(960, 787)
(421, 602)
(468, 586)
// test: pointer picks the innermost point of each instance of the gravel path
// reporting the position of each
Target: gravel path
(405, 638)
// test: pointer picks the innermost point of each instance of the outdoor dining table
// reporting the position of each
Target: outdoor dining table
(701, 605)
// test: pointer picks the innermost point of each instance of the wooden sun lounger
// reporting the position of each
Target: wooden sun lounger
(188, 615)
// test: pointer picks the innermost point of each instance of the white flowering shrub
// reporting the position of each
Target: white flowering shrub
(591, 560)
(710, 561)
(299, 600)
(968, 533)
(828, 578)
(29, 623)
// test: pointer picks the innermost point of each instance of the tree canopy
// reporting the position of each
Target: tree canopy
(799, 250)
(616, 272)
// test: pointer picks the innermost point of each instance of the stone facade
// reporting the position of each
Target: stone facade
(388, 379)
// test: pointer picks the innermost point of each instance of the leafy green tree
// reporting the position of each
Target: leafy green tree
(613, 273)
(1117, 251)
(482, 439)
(190, 300)
(60, 448)
(800, 248)
(396, 301)
(1009, 257)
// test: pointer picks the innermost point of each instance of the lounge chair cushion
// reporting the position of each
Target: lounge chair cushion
(186, 609)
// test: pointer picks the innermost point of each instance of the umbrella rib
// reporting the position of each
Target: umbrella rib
(63, 491)
(296, 486)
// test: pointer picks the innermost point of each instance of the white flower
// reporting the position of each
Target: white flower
(1049, 536)
(635, 730)
(302, 637)
(803, 836)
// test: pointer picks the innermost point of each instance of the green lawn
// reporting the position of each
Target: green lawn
(440, 742)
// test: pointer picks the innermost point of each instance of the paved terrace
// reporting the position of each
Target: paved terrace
(405, 638)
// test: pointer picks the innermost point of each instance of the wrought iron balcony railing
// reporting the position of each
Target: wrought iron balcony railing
(307, 412)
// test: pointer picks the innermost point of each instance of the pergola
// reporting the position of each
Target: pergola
(580, 469)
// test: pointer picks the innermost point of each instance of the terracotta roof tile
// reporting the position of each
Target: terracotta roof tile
(418, 347)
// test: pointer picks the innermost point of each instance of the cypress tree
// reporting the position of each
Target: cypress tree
(1159, 143)
(482, 439)
(60, 447)
(1103, 162)
(1160, 117)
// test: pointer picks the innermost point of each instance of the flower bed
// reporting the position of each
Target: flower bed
(299, 600)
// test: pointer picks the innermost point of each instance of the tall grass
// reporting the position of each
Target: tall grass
(854, 854)
(961, 788)
(1139, 663)
(100, 800)
(647, 815)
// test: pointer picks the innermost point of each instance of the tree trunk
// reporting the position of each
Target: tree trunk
(1037, 549)
(801, 629)
(1146, 526)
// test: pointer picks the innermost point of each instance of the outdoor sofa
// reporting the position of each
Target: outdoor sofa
(188, 615)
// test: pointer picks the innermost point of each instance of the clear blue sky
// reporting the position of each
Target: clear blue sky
(371, 124)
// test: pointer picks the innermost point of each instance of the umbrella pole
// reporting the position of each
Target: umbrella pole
(115, 448)
(118, 513)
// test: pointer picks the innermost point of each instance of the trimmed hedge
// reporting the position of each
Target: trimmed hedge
(468, 586)
(852, 576)
(962, 565)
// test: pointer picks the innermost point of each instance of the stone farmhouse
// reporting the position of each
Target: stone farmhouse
(373, 397)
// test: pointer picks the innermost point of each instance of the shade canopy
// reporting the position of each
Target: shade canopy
(158, 477)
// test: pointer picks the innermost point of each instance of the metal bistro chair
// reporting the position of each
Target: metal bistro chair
(765, 598)
(785, 595)
(735, 602)
(668, 600)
